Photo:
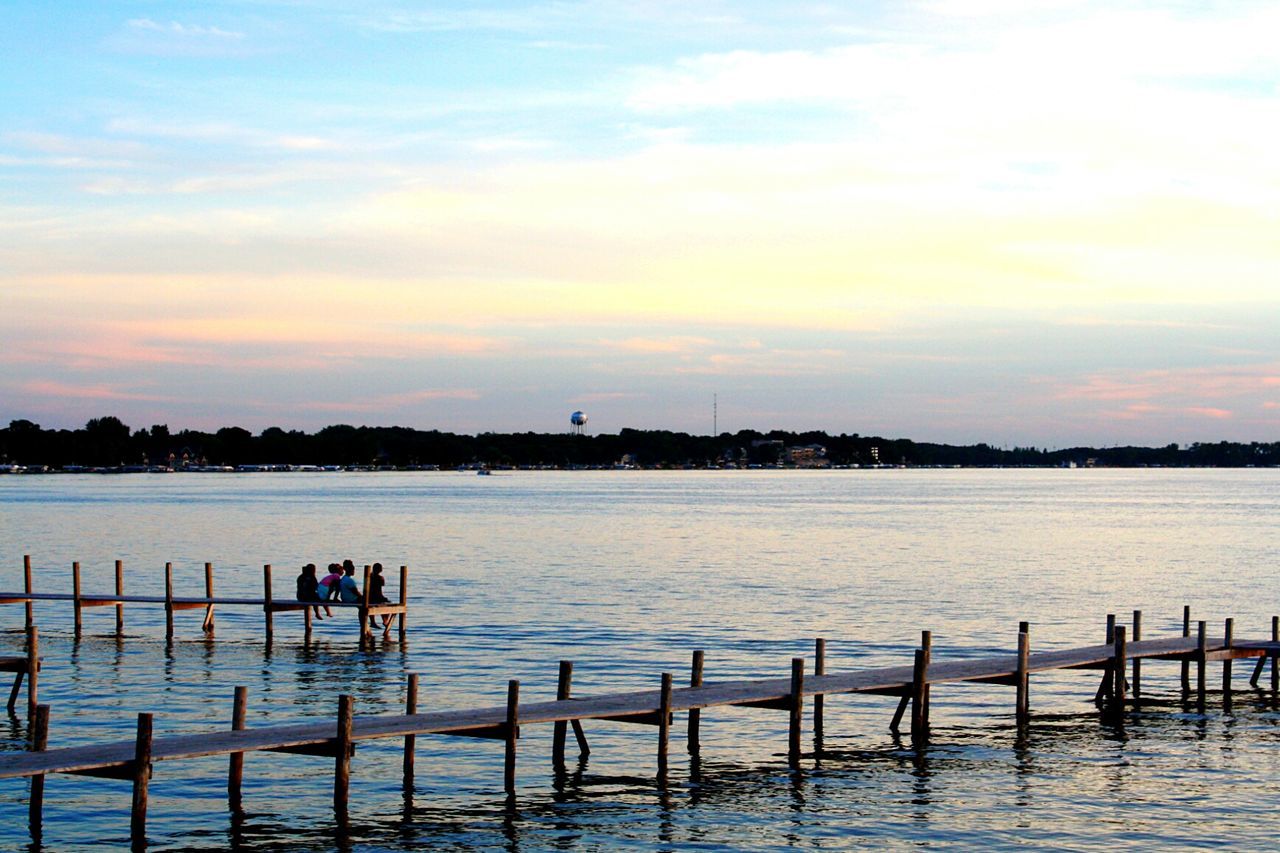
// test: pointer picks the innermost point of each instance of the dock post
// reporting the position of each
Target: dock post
(33, 672)
(664, 724)
(119, 592)
(560, 728)
(926, 643)
(819, 669)
(1228, 637)
(919, 681)
(1023, 714)
(1186, 664)
(511, 735)
(695, 714)
(1201, 645)
(1275, 656)
(1108, 677)
(365, 630)
(1137, 662)
(26, 573)
(141, 777)
(342, 760)
(1025, 628)
(306, 624)
(235, 768)
(1119, 672)
(404, 599)
(796, 711)
(266, 600)
(410, 741)
(75, 594)
(39, 743)
(168, 601)
(33, 662)
(564, 688)
(208, 593)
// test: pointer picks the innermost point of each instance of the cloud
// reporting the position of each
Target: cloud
(673, 344)
(390, 402)
(193, 31)
(66, 390)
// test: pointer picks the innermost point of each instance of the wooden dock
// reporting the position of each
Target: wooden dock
(207, 602)
(1119, 660)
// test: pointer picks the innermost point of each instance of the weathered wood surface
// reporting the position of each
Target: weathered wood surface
(634, 703)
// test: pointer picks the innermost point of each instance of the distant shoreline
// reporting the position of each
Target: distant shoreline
(107, 445)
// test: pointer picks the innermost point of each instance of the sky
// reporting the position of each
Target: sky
(1046, 224)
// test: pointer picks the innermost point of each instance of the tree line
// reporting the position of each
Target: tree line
(108, 442)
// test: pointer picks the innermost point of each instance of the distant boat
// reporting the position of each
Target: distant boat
(483, 472)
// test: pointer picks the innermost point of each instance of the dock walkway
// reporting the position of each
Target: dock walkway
(208, 602)
(1119, 659)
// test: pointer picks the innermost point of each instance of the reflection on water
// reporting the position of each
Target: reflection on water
(626, 574)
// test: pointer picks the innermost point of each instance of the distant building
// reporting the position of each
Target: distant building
(808, 456)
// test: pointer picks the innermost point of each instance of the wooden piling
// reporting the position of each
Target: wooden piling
(404, 600)
(1228, 637)
(1120, 671)
(664, 723)
(1108, 675)
(1200, 663)
(365, 630)
(75, 593)
(926, 643)
(1137, 662)
(1022, 712)
(266, 601)
(26, 574)
(208, 593)
(235, 768)
(168, 601)
(33, 671)
(919, 680)
(564, 687)
(35, 803)
(141, 777)
(1025, 628)
(342, 757)
(119, 604)
(410, 741)
(819, 668)
(1186, 664)
(511, 734)
(796, 711)
(695, 714)
(1275, 659)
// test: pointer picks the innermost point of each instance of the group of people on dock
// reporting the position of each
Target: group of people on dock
(340, 585)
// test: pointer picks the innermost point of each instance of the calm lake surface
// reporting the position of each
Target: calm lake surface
(626, 573)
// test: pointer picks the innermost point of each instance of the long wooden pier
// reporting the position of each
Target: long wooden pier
(1119, 659)
(207, 602)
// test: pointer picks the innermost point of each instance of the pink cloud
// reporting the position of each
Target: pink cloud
(64, 390)
(392, 401)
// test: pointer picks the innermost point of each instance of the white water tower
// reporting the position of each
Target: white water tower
(577, 421)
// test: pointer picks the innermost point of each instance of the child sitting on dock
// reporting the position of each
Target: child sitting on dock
(377, 596)
(309, 588)
(329, 584)
(348, 591)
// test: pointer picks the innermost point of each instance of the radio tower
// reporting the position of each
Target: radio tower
(715, 415)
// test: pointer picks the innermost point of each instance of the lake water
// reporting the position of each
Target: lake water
(626, 573)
